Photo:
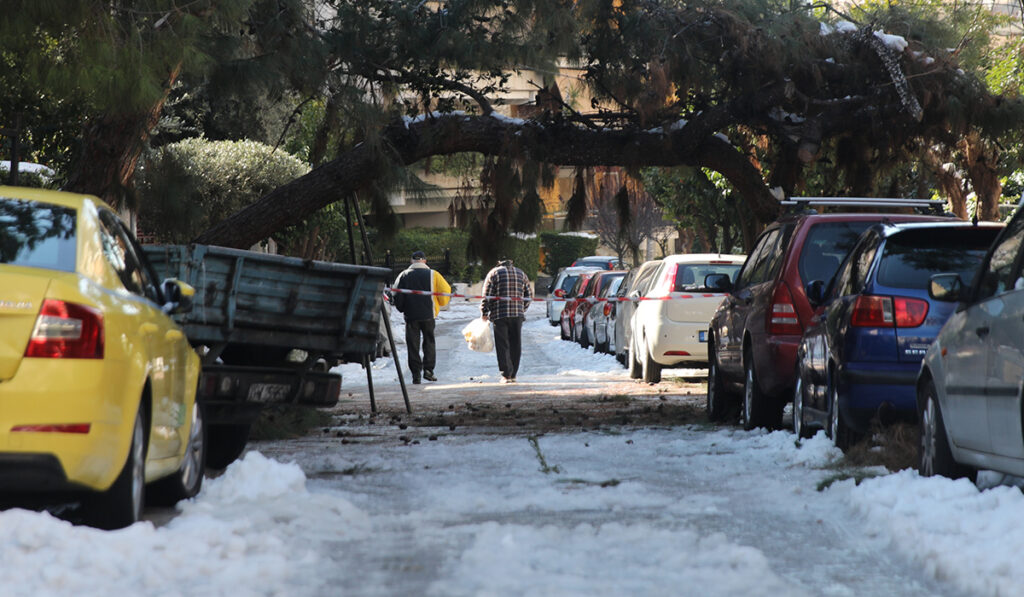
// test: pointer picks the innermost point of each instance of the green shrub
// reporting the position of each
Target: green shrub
(562, 249)
(433, 242)
(188, 186)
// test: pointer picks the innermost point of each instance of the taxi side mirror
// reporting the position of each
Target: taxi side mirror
(178, 296)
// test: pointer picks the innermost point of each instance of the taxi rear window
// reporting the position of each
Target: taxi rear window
(35, 234)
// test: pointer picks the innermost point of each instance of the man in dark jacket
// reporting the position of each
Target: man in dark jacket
(507, 313)
(419, 312)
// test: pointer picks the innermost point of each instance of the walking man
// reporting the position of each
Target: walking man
(509, 281)
(419, 312)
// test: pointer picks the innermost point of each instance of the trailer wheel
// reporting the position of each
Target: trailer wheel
(225, 443)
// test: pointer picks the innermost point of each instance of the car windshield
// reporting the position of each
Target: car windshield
(691, 276)
(911, 258)
(826, 246)
(34, 234)
(568, 282)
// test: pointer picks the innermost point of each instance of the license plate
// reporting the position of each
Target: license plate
(702, 336)
(269, 392)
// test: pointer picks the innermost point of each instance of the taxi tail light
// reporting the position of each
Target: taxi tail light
(885, 311)
(66, 330)
(782, 318)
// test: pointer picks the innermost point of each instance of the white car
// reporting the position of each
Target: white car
(563, 283)
(670, 323)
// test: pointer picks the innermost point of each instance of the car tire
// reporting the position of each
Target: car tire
(650, 369)
(121, 505)
(799, 428)
(188, 479)
(934, 454)
(842, 435)
(720, 404)
(584, 337)
(635, 371)
(561, 331)
(225, 443)
(757, 407)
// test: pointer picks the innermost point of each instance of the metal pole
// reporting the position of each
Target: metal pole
(383, 311)
(369, 382)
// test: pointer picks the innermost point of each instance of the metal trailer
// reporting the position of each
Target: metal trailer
(268, 329)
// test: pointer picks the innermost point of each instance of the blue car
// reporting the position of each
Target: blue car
(874, 322)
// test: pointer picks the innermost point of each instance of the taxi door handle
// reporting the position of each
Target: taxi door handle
(982, 331)
(174, 335)
(148, 328)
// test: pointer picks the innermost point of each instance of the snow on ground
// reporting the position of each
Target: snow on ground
(478, 515)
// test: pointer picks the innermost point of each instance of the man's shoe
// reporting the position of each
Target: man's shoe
(429, 376)
(416, 379)
(505, 380)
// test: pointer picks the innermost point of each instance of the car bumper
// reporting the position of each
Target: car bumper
(667, 339)
(49, 392)
(775, 363)
(871, 389)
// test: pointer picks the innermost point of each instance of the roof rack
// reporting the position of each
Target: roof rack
(934, 205)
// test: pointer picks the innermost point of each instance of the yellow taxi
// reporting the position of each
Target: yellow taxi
(97, 382)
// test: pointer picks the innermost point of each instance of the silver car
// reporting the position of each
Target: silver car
(563, 283)
(969, 387)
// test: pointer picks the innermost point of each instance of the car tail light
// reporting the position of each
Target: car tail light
(66, 331)
(607, 309)
(782, 318)
(885, 311)
(676, 353)
(668, 281)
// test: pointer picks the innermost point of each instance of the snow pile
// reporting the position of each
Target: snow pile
(952, 530)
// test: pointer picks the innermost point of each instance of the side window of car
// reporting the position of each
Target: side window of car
(120, 252)
(757, 265)
(1001, 270)
(854, 274)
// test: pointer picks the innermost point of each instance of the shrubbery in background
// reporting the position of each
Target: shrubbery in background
(562, 249)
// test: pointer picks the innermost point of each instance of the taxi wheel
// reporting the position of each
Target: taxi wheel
(121, 505)
(188, 479)
(225, 443)
(721, 404)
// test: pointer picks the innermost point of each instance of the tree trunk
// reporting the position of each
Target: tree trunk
(443, 135)
(983, 175)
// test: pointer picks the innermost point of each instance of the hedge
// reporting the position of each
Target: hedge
(562, 249)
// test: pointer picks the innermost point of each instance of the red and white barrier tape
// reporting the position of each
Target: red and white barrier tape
(673, 296)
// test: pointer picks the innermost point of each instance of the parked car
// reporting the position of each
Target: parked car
(592, 302)
(632, 287)
(98, 393)
(600, 318)
(560, 285)
(754, 335)
(598, 261)
(860, 357)
(573, 296)
(969, 387)
(666, 333)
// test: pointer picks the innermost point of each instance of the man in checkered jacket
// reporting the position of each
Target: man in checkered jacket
(506, 280)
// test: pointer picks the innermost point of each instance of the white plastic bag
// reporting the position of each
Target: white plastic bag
(479, 336)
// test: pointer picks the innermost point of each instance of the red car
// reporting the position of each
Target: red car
(573, 299)
(598, 285)
(753, 337)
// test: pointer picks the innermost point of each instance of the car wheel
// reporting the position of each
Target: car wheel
(650, 369)
(799, 428)
(584, 337)
(934, 454)
(225, 444)
(718, 403)
(187, 481)
(121, 505)
(635, 370)
(561, 331)
(755, 401)
(842, 436)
